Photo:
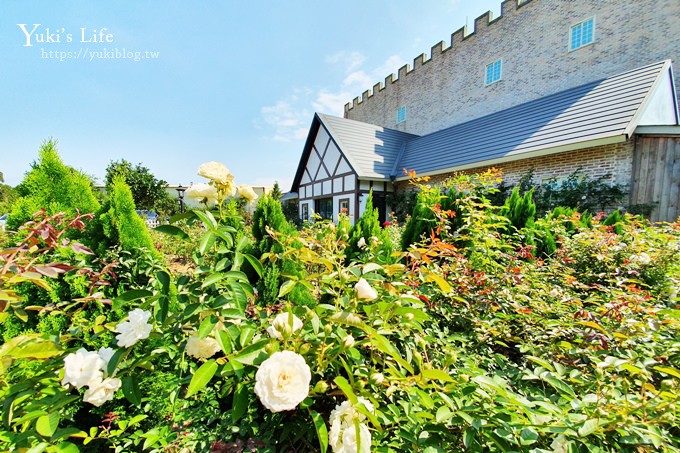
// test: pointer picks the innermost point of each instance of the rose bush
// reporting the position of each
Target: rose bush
(465, 341)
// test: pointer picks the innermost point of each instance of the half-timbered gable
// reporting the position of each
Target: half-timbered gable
(342, 161)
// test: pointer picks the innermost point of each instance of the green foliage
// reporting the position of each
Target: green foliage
(132, 231)
(520, 210)
(367, 238)
(578, 191)
(402, 203)
(148, 192)
(614, 220)
(7, 196)
(291, 209)
(276, 191)
(268, 215)
(53, 186)
(462, 345)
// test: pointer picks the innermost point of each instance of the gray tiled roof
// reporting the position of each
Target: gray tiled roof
(575, 118)
(596, 110)
(371, 150)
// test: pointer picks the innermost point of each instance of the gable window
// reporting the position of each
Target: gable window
(493, 72)
(582, 34)
(305, 212)
(401, 114)
(324, 208)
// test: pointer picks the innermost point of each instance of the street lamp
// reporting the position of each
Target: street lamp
(180, 197)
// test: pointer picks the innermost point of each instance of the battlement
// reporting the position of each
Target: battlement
(508, 7)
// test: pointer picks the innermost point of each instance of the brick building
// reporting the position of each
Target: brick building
(550, 85)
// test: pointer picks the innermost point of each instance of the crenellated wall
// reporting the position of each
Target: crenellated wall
(532, 40)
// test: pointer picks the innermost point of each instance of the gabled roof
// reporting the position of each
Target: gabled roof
(371, 150)
(608, 110)
(597, 113)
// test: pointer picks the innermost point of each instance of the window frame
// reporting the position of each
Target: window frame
(401, 109)
(325, 212)
(500, 72)
(571, 32)
(340, 203)
(304, 216)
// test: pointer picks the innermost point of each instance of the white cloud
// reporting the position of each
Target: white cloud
(289, 117)
(346, 60)
(287, 120)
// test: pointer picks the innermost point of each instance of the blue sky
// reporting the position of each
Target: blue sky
(233, 81)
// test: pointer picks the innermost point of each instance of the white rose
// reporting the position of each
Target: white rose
(361, 243)
(216, 171)
(105, 354)
(281, 324)
(282, 381)
(205, 193)
(364, 291)
(350, 444)
(82, 367)
(642, 258)
(101, 391)
(342, 436)
(247, 193)
(202, 348)
(134, 329)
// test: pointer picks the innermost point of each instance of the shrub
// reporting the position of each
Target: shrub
(118, 223)
(367, 240)
(52, 186)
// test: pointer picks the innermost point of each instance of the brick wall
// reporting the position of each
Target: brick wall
(616, 160)
(533, 42)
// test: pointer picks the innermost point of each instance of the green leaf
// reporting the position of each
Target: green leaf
(589, 426)
(207, 326)
(668, 370)
(344, 386)
(114, 361)
(255, 263)
(30, 346)
(212, 278)
(438, 375)
(528, 436)
(252, 353)
(134, 294)
(131, 390)
(287, 287)
(207, 241)
(443, 284)
(443, 414)
(39, 448)
(321, 430)
(224, 340)
(201, 377)
(173, 231)
(541, 362)
(240, 402)
(162, 309)
(207, 218)
(559, 385)
(47, 424)
(67, 447)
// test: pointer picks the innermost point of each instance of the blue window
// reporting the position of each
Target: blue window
(493, 72)
(401, 114)
(582, 34)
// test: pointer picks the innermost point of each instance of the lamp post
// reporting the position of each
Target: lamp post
(180, 197)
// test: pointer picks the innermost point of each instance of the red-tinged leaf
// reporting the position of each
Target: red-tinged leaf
(47, 271)
(80, 248)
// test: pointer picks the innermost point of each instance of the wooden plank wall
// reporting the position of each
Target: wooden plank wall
(656, 176)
